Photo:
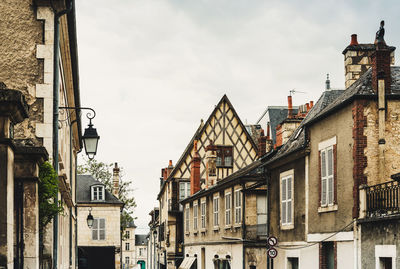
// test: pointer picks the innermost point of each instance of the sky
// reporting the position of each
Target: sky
(153, 69)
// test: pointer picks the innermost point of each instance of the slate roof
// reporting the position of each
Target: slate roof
(298, 139)
(131, 224)
(84, 182)
(141, 239)
(277, 114)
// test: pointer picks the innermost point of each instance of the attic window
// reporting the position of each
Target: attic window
(98, 193)
(224, 156)
(298, 133)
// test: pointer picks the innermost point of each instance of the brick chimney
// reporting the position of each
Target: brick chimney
(290, 107)
(169, 168)
(268, 142)
(115, 189)
(262, 144)
(195, 171)
(381, 60)
(357, 59)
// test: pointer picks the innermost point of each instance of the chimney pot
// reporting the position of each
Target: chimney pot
(290, 107)
(354, 41)
(311, 104)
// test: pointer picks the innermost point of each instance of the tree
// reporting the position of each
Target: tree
(102, 172)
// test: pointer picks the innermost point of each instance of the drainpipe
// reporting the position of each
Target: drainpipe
(268, 215)
(56, 98)
(243, 227)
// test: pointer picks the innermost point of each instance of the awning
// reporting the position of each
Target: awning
(187, 262)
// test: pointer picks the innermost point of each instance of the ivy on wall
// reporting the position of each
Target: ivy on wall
(48, 189)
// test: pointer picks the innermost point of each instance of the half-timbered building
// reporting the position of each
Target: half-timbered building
(223, 148)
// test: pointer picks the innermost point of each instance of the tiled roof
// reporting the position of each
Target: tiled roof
(84, 182)
(140, 239)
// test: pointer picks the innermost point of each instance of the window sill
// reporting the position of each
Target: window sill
(228, 227)
(287, 226)
(329, 208)
(187, 233)
(195, 232)
(203, 230)
(216, 228)
(237, 225)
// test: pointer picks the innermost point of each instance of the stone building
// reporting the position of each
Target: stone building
(128, 246)
(140, 258)
(152, 249)
(334, 195)
(47, 78)
(100, 245)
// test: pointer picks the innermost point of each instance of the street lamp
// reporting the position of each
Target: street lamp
(90, 137)
(90, 219)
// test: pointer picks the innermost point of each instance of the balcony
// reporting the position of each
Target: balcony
(380, 201)
(256, 232)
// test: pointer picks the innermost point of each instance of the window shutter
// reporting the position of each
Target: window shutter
(323, 179)
(284, 206)
(102, 228)
(334, 174)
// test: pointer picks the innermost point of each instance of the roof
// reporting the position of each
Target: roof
(131, 224)
(141, 239)
(84, 182)
(363, 47)
(245, 171)
(298, 139)
(361, 88)
(277, 114)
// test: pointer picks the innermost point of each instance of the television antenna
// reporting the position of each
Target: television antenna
(291, 92)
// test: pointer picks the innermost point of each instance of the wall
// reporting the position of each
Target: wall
(340, 124)
(392, 137)
(113, 224)
(298, 232)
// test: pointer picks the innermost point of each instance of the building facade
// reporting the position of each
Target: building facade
(30, 65)
(100, 245)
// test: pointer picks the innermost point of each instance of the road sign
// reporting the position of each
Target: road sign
(272, 241)
(272, 253)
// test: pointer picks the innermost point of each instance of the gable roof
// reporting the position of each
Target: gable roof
(298, 138)
(83, 192)
(141, 239)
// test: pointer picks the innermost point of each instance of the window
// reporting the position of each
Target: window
(216, 211)
(224, 156)
(228, 205)
(99, 229)
(327, 181)
(127, 235)
(195, 214)
(97, 193)
(261, 214)
(385, 262)
(187, 218)
(127, 260)
(292, 263)
(327, 255)
(286, 200)
(126, 246)
(222, 264)
(238, 206)
(184, 190)
(140, 251)
(203, 214)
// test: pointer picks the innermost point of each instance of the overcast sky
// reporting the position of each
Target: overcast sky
(153, 69)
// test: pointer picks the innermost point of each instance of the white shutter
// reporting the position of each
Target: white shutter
(323, 178)
(95, 230)
(289, 199)
(283, 203)
(102, 229)
(330, 176)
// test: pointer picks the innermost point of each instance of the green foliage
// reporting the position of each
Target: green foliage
(48, 190)
(103, 173)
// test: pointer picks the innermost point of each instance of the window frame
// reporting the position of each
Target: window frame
(203, 213)
(228, 209)
(286, 203)
(222, 153)
(187, 218)
(238, 197)
(127, 260)
(95, 191)
(328, 182)
(216, 211)
(186, 189)
(96, 229)
(195, 216)
(127, 246)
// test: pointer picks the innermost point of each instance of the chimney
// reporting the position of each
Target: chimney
(357, 58)
(311, 104)
(269, 142)
(169, 168)
(290, 107)
(381, 60)
(195, 171)
(262, 144)
(327, 83)
(115, 189)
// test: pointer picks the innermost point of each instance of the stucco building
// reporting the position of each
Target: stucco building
(100, 245)
(152, 245)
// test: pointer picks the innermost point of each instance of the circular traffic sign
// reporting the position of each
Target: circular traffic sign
(272, 253)
(272, 241)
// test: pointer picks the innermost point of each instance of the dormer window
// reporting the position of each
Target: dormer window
(98, 193)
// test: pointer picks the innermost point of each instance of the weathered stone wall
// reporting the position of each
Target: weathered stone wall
(20, 69)
(392, 138)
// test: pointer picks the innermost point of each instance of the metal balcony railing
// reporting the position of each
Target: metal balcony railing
(382, 199)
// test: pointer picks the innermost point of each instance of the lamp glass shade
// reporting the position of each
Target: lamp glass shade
(90, 220)
(90, 140)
